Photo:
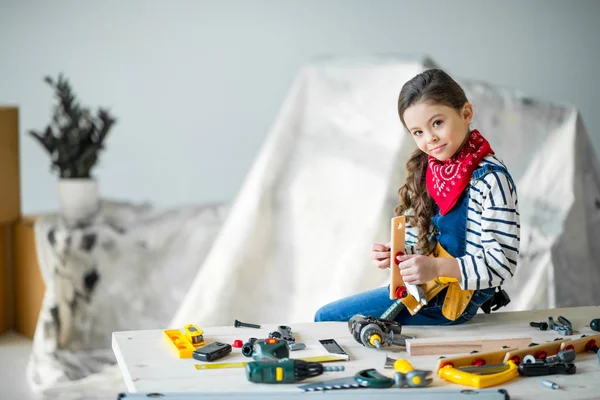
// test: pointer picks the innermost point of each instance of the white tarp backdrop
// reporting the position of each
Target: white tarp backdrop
(324, 187)
(128, 269)
(299, 233)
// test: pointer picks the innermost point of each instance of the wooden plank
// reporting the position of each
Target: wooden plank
(27, 278)
(6, 317)
(454, 345)
(582, 344)
(397, 246)
(549, 349)
(489, 357)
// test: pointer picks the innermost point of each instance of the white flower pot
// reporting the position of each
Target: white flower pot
(78, 199)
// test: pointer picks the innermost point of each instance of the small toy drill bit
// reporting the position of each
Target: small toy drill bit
(550, 384)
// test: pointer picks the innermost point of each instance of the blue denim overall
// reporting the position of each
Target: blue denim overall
(450, 231)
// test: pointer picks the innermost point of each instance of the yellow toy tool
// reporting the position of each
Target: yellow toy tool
(403, 366)
(194, 335)
(480, 377)
(479, 370)
(184, 344)
(414, 297)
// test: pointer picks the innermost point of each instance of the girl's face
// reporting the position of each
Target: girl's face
(439, 130)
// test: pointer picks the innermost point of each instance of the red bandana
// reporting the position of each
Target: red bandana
(447, 179)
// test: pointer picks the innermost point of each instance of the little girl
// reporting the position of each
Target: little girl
(458, 196)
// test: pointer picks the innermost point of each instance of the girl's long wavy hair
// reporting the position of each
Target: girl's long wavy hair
(432, 86)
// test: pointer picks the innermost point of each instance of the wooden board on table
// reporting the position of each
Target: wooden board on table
(490, 357)
(550, 349)
(582, 344)
(454, 345)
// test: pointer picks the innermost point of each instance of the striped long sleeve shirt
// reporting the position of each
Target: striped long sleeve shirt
(493, 231)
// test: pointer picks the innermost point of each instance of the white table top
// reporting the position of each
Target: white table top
(148, 364)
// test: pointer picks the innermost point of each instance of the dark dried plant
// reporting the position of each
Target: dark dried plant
(75, 137)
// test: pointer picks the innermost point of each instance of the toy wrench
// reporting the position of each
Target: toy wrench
(563, 326)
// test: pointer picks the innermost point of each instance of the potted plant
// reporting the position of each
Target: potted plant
(74, 139)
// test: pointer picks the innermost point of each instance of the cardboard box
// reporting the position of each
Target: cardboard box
(6, 304)
(21, 285)
(10, 206)
(10, 181)
(28, 286)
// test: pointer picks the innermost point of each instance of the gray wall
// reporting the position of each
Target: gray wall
(196, 85)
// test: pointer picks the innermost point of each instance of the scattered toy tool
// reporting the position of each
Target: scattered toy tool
(400, 290)
(333, 348)
(368, 378)
(185, 343)
(212, 351)
(270, 349)
(284, 332)
(563, 326)
(266, 349)
(376, 332)
(285, 371)
(242, 364)
(479, 370)
(550, 384)
(565, 356)
(407, 376)
(540, 368)
(542, 326)
(240, 324)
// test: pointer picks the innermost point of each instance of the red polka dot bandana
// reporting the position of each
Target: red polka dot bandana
(446, 180)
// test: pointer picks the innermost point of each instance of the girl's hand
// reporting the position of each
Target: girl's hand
(380, 253)
(416, 269)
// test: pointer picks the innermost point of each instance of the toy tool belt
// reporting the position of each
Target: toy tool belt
(456, 299)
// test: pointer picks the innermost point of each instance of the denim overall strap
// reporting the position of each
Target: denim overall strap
(450, 230)
(479, 173)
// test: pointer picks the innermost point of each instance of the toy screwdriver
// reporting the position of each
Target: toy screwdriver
(285, 371)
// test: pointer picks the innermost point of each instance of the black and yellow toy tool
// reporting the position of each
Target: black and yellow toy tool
(407, 376)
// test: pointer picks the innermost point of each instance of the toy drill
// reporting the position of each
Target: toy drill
(375, 332)
(285, 371)
(266, 349)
